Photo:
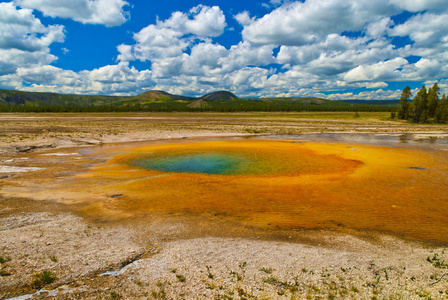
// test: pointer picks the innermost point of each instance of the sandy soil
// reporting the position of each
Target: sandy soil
(188, 257)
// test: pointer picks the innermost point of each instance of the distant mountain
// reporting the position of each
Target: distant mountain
(220, 101)
(8, 97)
(220, 95)
(160, 96)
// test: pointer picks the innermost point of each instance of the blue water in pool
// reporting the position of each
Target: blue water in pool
(208, 163)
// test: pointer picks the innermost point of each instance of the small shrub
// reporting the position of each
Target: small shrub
(437, 262)
(159, 295)
(138, 282)
(267, 270)
(209, 274)
(41, 279)
(181, 278)
(53, 258)
(115, 295)
(271, 279)
(4, 259)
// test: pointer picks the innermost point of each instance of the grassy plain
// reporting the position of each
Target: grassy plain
(189, 256)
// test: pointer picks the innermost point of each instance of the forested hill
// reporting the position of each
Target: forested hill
(221, 101)
(12, 98)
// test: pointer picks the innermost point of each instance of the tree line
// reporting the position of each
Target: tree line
(214, 107)
(426, 107)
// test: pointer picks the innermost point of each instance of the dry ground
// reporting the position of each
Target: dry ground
(187, 256)
(56, 130)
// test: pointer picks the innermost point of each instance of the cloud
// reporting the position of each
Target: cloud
(47, 75)
(155, 42)
(170, 38)
(21, 30)
(244, 18)
(298, 24)
(429, 34)
(421, 5)
(245, 54)
(202, 21)
(105, 12)
(120, 79)
(380, 27)
(427, 69)
(24, 40)
(379, 94)
(382, 71)
(426, 30)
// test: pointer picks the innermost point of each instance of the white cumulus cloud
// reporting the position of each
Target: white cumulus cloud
(382, 71)
(105, 12)
(201, 20)
(24, 40)
(421, 5)
(300, 23)
(170, 38)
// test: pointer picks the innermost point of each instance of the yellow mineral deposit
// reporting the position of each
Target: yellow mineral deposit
(274, 184)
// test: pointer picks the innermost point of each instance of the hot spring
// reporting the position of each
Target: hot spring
(274, 184)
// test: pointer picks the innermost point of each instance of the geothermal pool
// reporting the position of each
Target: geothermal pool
(351, 183)
(277, 184)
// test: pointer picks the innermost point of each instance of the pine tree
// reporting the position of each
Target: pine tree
(403, 112)
(441, 115)
(433, 100)
(420, 106)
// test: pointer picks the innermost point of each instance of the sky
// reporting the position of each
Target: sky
(334, 49)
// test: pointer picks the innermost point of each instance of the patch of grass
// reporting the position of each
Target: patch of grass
(181, 278)
(53, 259)
(139, 283)
(424, 294)
(41, 279)
(238, 277)
(4, 273)
(271, 279)
(437, 262)
(210, 286)
(115, 295)
(209, 274)
(4, 259)
(267, 270)
(160, 294)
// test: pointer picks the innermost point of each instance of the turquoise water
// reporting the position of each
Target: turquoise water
(207, 163)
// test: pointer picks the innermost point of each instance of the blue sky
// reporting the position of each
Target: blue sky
(337, 49)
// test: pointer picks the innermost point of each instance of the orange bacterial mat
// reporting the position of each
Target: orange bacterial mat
(275, 184)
